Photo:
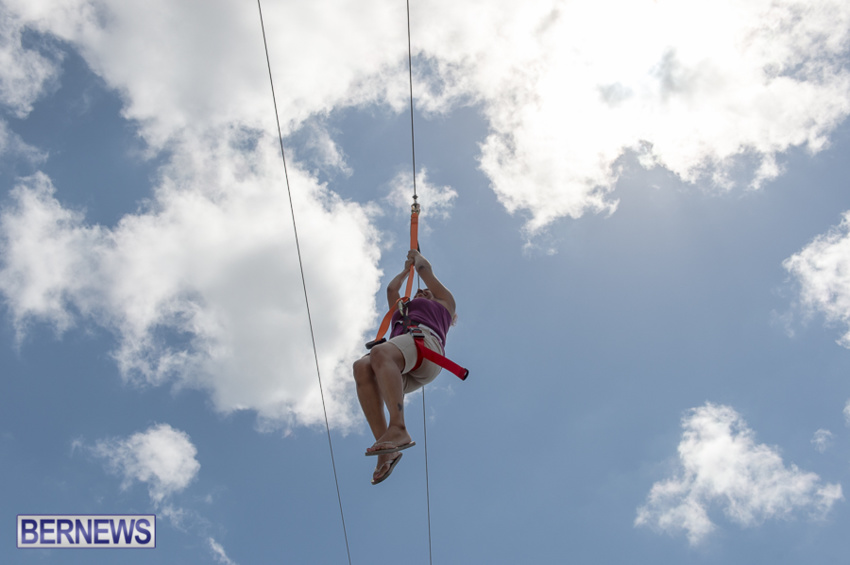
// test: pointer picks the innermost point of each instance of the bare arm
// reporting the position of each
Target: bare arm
(394, 287)
(440, 292)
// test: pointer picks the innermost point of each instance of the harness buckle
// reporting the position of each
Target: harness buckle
(375, 342)
(401, 304)
(415, 331)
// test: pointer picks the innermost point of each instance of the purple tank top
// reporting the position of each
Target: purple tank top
(426, 312)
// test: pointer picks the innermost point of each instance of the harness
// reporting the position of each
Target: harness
(422, 351)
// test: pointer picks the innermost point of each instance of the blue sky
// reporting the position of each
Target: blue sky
(639, 207)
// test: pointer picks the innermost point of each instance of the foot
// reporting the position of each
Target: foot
(386, 464)
(395, 439)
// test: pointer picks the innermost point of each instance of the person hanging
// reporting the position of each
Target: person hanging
(396, 367)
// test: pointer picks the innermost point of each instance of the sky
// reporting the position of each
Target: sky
(640, 207)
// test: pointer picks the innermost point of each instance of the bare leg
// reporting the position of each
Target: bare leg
(387, 362)
(369, 396)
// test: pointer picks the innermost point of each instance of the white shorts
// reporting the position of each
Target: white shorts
(427, 371)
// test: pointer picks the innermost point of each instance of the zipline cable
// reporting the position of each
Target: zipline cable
(415, 204)
(303, 281)
(410, 80)
(427, 485)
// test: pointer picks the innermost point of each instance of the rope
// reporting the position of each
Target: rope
(413, 158)
(303, 281)
(410, 79)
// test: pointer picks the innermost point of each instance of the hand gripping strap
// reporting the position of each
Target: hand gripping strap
(414, 244)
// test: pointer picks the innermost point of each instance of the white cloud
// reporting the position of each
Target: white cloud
(322, 151)
(26, 72)
(181, 65)
(41, 256)
(165, 460)
(203, 289)
(435, 201)
(822, 269)
(567, 89)
(847, 413)
(822, 440)
(13, 147)
(219, 553)
(721, 465)
(160, 457)
(570, 88)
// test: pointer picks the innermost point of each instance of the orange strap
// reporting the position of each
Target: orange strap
(414, 244)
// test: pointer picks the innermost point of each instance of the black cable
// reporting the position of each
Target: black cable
(303, 281)
(427, 482)
(410, 77)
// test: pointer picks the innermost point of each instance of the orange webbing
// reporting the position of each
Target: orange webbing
(414, 244)
(385, 324)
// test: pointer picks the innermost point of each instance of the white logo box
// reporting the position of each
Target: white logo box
(91, 531)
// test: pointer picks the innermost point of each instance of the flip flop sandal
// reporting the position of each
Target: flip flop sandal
(386, 475)
(391, 449)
